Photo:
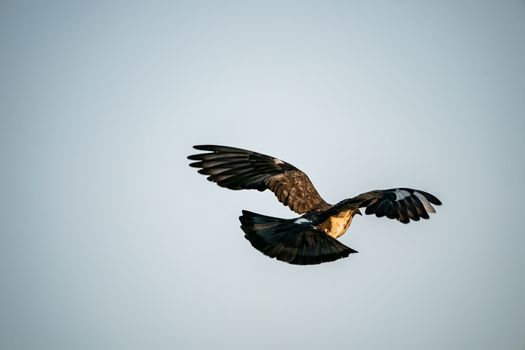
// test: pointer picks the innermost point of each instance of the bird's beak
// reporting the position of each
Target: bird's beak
(359, 212)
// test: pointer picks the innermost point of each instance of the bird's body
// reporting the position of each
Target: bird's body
(337, 224)
(311, 238)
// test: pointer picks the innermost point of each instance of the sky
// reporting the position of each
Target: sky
(110, 241)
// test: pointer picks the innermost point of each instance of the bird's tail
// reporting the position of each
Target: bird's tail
(296, 241)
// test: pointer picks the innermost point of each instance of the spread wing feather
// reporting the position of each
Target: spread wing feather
(237, 169)
(403, 204)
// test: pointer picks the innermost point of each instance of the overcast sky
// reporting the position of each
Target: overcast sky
(110, 241)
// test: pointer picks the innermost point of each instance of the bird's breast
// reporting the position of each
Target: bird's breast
(336, 225)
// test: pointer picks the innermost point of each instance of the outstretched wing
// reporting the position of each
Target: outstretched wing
(403, 204)
(237, 169)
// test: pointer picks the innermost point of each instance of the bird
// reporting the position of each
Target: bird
(312, 237)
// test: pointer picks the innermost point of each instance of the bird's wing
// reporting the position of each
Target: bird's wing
(403, 204)
(237, 169)
(295, 241)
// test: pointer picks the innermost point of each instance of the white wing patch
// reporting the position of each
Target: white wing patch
(278, 161)
(428, 207)
(301, 221)
(402, 194)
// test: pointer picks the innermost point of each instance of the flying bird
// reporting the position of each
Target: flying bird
(312, 237)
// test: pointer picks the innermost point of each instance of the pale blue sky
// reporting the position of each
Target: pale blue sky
(110, 241)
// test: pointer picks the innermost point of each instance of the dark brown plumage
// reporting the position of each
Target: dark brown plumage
(311, 238)
(239, 169)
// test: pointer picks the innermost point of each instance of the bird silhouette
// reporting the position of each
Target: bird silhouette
(312, 237)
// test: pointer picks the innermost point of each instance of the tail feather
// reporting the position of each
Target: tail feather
(291, 240)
